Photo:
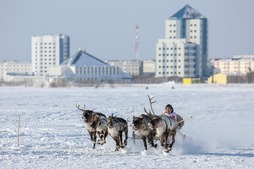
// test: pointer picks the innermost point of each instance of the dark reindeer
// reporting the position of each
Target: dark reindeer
(99, 123)
(141, 126)
(87, 116)
(116, 127)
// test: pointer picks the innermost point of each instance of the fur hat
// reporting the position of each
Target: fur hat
(169, 105)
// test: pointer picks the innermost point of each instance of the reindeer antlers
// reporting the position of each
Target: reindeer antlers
(151, 102)
(80, 108)
(151, 107)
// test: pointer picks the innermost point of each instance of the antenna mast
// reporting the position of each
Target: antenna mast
(137, 42)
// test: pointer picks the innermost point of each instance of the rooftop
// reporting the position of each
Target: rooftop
(187, 12)
(82, 58)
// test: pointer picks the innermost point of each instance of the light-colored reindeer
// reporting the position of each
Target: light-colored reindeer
(99, 123)
(116, 127)
(163, 127)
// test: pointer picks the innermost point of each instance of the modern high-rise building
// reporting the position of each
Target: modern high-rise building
(184, 51)
(49, 51)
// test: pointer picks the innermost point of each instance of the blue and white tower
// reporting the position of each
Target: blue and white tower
(184, 50)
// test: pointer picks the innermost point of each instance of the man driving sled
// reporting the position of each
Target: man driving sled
(169, 111)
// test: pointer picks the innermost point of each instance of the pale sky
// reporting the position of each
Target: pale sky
(106, 28)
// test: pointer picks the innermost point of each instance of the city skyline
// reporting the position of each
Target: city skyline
(107, 29)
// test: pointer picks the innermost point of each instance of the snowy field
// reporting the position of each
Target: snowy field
(52, 133)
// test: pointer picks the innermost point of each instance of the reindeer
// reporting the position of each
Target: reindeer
(164, 127)
(141, 125)
(116, 127)
(99, 123)
(87, 116)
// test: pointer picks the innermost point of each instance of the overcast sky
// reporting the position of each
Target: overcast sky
(106, 28)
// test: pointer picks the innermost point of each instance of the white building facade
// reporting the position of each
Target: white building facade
(85, 67)
(185, 45)
(175, 58)
(49, 51)
(149, 67)
(240, 64)
(14, 68)
(132, 67)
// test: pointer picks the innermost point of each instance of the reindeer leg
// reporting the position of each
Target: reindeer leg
(144, 141)
(120, 133)
(173, 140)
(161, 141)
(117, 143)
(94, 139)
(126, 136)
(105, 136)
(91, 135)
(166, 143)
(150, 140)
(100, 140)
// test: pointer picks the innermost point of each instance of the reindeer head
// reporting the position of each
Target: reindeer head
(136, 122)
(111, 121)
(87, 114)
(155, 121)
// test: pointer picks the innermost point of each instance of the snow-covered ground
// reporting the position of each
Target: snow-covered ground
(52, 133)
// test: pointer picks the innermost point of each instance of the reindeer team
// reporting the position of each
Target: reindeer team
(148, 126)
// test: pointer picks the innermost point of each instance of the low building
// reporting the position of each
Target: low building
(149, 67)
(14, 67)
(82, 66)
(131, 67)
(221, 78)
(240, 64)
(23, 77)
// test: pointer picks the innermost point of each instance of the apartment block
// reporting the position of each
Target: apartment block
(49, 51)
(15, 67)
(240, 64)
(131, 67)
